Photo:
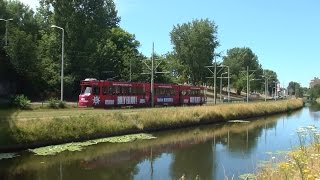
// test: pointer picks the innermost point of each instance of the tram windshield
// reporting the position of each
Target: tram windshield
(86, 90)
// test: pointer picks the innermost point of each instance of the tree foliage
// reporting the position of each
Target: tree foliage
(295, 89)
(271, 78)
(194, 44)
(239, 61)
(314, 91)
(95, 45)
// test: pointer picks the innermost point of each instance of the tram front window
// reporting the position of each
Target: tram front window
(86, 90)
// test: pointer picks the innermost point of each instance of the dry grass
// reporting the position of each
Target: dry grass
(56, 125)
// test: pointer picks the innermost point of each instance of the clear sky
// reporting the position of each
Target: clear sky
(284, 34)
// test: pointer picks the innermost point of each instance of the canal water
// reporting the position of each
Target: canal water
(209, 152)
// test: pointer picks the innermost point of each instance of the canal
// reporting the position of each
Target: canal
(209, 152)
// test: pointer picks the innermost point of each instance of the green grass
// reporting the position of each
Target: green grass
(62, 125)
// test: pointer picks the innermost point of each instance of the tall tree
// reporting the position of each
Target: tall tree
(239, 60)
(21, 51)
(194, 44)
(294, 88)
(272, 79)
(314, 92)
(118, 55)
(95, 46)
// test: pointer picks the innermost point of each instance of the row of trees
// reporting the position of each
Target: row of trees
(95, 46)
(314, 92)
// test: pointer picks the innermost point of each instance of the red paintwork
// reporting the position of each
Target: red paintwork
(108, 94)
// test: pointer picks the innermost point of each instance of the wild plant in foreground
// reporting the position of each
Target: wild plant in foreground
(303, 163)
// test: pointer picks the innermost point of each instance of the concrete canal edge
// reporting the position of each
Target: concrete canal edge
(23, 134)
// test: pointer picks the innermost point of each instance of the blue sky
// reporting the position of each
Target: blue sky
(285, 35)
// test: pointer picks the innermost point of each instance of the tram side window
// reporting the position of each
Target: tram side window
(110, 90)
(125, 90)
(116, 90)
(133, 90)
(159, 91)
(195, 92)
(96, 90)
(170, 92)
(165, 91)
(104, 90)
(202, 92)
(138, 91)
(183, 92)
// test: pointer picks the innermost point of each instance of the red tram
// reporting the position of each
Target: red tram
(108, 94)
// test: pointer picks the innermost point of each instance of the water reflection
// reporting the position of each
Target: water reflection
(193, 161)
(211, 152)
(314, 111)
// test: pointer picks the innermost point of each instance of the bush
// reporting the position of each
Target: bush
(55, 103)
(21, 102)
(62, 104)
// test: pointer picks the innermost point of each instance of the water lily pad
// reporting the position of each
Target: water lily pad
(78, 146)
(7, 155)
(238, 121)
(247, 176)
(263, 164)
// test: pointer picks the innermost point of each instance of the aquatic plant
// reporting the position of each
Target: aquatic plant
(247, 176)
(78, 146)
(7, 155)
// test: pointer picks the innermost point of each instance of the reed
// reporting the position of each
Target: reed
(44, 127)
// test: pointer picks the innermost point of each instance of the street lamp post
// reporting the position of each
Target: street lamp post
(247, 84)
(266, 90)
(214, 80)
(228, 81)
(247, 74)
(221, 85)
(275, 90)
(6, 35)
(54, 26)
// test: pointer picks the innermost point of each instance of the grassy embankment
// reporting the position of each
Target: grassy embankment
(43, 127)
(163, 143)
(302, 163)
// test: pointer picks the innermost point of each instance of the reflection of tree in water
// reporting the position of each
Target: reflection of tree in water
(192, 161)
(104, 170)
(315, 107)
(79, 170)
(244, 139)
(314, 111)
(294, 113)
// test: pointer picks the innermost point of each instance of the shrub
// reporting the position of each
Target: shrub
(62, 104)
(21, 101)
(53, 103)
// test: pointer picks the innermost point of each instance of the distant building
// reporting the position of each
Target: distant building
(314, 82)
